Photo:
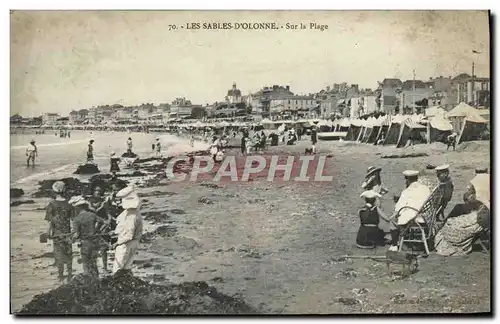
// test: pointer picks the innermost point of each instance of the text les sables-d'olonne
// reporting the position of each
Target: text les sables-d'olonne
(248, 26)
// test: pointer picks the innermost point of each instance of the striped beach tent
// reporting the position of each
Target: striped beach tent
(411, 127)
(394, 129)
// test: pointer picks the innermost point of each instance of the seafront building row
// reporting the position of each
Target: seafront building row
(392, 96)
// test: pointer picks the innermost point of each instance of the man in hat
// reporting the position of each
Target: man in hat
(413, 196)
(31, 153)
(481, 170)
(128, 228)
(58, 214)
(443, 175)
(87, 227)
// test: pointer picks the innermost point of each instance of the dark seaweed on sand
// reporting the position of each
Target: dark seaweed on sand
(126, 294)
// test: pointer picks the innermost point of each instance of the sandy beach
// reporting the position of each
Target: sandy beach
(279, 245)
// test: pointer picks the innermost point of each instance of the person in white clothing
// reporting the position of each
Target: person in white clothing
(128, 228)
(414, 197)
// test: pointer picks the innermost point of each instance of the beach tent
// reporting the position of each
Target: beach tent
(434, 111)
(439, 128)
(385, 123)
(411, 127)
(325, 126)
(344, 125)
(354, 129)
(370, 123)
(378, 127)
(457, 115)
(473, 128)
(394, 129)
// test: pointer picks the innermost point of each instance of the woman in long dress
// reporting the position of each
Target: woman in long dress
(467, 221)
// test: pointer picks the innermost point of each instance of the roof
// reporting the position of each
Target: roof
(408, 85)
(461, 76)
(462, 110)
(434, 111)
(392, 83)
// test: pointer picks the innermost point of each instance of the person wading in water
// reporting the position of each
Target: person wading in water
(31, 153)
(90, 152)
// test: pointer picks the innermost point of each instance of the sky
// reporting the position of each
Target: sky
(63, 61)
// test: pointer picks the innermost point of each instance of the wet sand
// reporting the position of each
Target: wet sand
(277, 245)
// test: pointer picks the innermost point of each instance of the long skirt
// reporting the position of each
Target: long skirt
(124, 255)
(370, 237)
(457, 235)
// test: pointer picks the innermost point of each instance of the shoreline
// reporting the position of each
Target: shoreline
(251, 242)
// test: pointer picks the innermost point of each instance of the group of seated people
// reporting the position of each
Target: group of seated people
(453, 235)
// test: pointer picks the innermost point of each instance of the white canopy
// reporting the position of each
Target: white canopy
(462, 110)
(434, 111)
(441, 123)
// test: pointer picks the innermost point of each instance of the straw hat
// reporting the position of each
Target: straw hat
(77, 201)
(370, 194)
(58, 187)
(410, 173)
(372, 170)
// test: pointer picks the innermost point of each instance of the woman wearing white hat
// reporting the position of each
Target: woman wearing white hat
(459, 232)
(128, 228)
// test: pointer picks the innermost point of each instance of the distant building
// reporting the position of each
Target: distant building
(292, 104)
(234, 95)
(261, 100)
(50, 118)
(389, 93)
(181, 108)
(413, 92)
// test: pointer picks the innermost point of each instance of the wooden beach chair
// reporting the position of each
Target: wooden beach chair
(414, 232)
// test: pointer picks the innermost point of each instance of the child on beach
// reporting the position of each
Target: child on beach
(369, 234)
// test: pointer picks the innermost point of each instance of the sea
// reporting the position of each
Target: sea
(59, 157)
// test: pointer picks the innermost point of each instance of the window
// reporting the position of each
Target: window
(288, 101)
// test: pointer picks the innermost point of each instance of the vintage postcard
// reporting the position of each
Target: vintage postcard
(250, 162)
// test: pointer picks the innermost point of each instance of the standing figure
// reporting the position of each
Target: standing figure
(31, 153)
(98, 205)
(129, 145)
(113, 163)
(451, 140)
(90, 152)
(59, 213)
(443, 175)
(314, 139)
(214, 148)
(128, 228)
(158, 147)
(191, 140)
(86, 227)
